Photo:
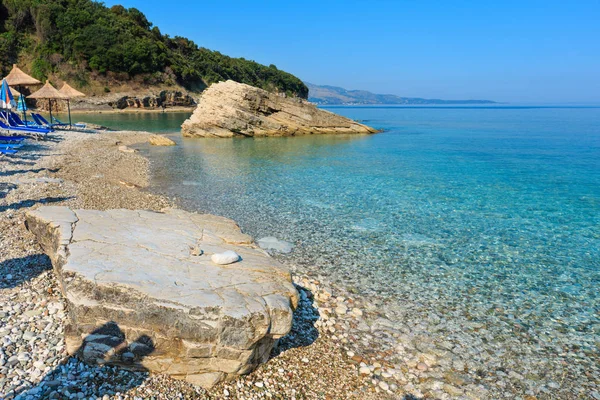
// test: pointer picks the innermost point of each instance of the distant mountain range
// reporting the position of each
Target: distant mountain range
(331, 95)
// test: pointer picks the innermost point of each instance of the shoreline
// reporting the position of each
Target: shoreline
(375, 351)
(129, 110)
(88, 171)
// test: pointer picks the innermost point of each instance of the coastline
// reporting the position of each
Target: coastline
(88, 171)
(130, 110)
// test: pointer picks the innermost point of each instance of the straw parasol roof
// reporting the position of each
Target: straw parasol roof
(18, 77)
(47, 92)
(14, 92)
(68, 91)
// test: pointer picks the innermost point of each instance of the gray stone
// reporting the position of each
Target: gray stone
(171, 312)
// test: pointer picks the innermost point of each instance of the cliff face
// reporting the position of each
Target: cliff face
(229, 109)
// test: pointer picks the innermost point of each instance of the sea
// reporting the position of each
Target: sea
(476, 225)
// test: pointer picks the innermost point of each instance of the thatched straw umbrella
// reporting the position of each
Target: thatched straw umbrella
(71, 93)
(48, 92)
(14, 92)
(16, 77)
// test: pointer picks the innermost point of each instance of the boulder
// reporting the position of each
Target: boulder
(228, 109)
(143, 293)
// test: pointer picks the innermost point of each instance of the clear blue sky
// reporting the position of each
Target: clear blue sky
(516, 51)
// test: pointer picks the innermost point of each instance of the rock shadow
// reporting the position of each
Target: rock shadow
(303, 332)
(30, 203)
(17, 161)
(15, 271)
(5, 188)
(92, 370)
(25, 171)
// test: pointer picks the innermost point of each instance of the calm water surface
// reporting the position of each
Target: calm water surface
(486, 214)
(142, 121)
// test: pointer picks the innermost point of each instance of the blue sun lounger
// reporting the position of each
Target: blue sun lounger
(41, 121)
(59, 122)
(7, 151)
(15, 120)
(37, 131)
(44, 122)
(12, 139)
(10, 145)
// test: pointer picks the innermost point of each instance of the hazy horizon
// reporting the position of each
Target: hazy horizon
(541, 52)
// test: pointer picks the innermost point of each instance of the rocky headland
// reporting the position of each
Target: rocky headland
(230, 109)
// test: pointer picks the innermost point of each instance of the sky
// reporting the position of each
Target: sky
(512, 51)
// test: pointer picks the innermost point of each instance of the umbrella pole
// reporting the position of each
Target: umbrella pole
(50, 106)
(24, 105)
(69, 107)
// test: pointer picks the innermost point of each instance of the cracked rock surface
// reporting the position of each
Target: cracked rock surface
(141, 295)
(232, 109)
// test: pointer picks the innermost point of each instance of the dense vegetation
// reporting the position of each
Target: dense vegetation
(87, 39)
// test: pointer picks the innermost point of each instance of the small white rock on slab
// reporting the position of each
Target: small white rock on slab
(227, 257)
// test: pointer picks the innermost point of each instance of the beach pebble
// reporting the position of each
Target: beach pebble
(341, 309)
(227, 257)
(422, 367)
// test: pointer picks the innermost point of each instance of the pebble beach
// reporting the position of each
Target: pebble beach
(100, 171)
(342, 344)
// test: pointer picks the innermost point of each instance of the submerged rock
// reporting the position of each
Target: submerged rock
(272, 243)
(137, 298)
(228, 109)
(159, 140)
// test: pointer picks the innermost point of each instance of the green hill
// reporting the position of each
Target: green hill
(86, 43)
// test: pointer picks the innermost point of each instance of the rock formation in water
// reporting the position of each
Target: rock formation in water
(143, 293)
(228, 109)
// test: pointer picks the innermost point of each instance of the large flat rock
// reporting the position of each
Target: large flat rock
(230, 109)
(143, 293)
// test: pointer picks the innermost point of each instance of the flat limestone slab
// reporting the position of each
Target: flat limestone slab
(143, 293)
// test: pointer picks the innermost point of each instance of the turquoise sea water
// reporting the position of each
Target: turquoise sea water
(487, 215)
(148, 121)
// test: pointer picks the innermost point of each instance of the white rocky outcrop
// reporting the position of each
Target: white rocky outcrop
(142, 291)
(229, 109)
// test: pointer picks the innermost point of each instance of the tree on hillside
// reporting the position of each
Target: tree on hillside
(94, 38)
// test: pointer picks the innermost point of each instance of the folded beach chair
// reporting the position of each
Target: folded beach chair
(59, 122)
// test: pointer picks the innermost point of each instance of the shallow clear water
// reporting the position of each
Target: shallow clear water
(487, 214)
(157, 122)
